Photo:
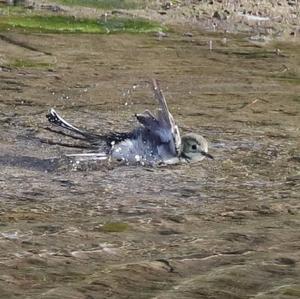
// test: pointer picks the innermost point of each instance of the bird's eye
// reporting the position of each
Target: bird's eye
(194, 147)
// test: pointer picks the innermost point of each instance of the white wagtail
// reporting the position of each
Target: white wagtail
(156, 140)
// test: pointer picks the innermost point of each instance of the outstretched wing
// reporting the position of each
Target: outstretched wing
(162, 125)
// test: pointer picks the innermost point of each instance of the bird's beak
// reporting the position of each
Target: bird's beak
(207, 155)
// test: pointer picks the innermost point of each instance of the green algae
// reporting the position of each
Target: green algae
(27, 63)
(114, 227)
(104, 4)
(68, 24)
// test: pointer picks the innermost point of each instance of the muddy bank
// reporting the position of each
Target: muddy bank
(273, 19)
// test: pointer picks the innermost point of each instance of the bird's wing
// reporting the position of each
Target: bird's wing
(162, 125)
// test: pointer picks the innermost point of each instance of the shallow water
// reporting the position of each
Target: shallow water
(227, 228)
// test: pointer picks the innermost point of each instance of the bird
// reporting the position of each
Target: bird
(156, 140)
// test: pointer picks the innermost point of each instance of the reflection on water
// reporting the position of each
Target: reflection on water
(227, 228)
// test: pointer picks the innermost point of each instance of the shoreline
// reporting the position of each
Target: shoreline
(270, 19)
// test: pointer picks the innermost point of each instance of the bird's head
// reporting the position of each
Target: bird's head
(194, 148)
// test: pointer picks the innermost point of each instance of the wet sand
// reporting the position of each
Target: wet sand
(227, 228)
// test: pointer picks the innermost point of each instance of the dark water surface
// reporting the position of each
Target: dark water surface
(227, 228)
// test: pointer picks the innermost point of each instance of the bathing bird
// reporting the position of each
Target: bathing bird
(156, 140)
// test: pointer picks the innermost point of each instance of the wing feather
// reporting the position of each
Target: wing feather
(162, 125)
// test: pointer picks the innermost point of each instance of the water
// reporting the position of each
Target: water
(227, 228)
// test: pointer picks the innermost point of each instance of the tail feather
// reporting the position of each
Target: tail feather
(55, 119)
(94, 139)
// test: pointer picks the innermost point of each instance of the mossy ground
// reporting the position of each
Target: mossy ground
(114, 227)
(105, 4)
(66, 24)
(18, 18)
(27, 63)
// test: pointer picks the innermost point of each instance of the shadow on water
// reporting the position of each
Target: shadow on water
(33, 163)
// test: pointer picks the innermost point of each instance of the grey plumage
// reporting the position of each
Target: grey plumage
(156, 140)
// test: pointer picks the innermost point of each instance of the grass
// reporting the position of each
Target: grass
(104, 4)
(67, 24)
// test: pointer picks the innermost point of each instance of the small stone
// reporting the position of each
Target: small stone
(177, 218)
(189, 34)
(167, 5)
(219, 16)
(169, 231)
(292, 2)
(162, 12)
(161, 34)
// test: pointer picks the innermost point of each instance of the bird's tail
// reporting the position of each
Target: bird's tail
(55, 119)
